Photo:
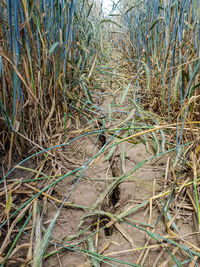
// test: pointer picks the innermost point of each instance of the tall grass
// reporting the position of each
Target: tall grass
(165, 35)
(45, 47)
(49, 50)
(163, 40)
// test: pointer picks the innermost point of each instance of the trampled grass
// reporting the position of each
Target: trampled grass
(69, 74)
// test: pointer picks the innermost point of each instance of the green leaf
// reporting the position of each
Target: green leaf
(130, 9)
(154, 23)
(9, 202)
(53, 47)
(110, 21)
(125, 93)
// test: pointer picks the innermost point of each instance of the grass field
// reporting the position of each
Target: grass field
(99, 133)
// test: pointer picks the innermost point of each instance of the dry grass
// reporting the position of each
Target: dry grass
(115, 97)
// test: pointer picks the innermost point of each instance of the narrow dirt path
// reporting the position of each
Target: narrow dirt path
(115, 179)
(112, 183)
(120, 182)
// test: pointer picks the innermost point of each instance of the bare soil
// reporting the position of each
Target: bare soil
(120, 240)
